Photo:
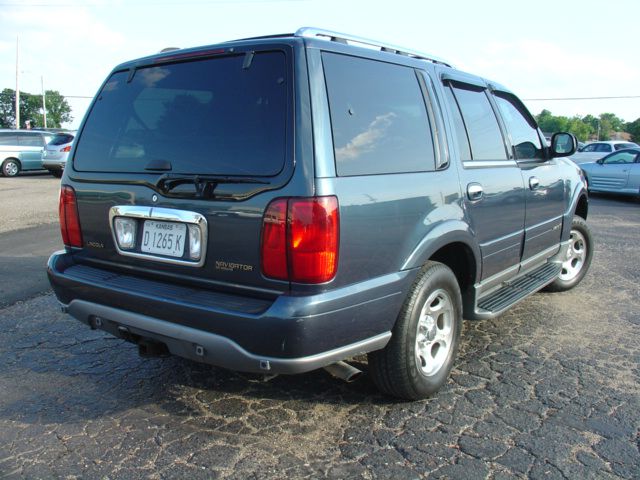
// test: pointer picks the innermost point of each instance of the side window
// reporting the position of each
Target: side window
(482, 126)
(621, 146)
(29, 140)
(521, 127)
(603, 148)
(378, 117)
(8, 139)
(589, 148)
(621, 157)
(458, 126)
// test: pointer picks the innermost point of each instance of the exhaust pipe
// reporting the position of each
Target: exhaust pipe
(343, 371)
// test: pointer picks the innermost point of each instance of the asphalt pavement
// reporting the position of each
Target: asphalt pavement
(551, 389)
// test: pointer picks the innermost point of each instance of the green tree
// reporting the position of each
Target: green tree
(549, 123)
(634, 129)
(7, 108)
(580, 129)
(616, 123)
(58, 109)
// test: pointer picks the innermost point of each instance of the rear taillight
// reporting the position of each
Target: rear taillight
(69, 220)
(300, 238)
(66, 149)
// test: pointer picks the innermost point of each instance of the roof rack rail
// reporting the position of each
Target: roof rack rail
(312, 32)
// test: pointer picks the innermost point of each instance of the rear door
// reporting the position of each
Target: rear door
(204, 138)
(31, 146)
(492, 183)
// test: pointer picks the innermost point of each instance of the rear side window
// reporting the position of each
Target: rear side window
(458, 126)
(620, 146)
(378, 117)
(225, 115)
(61, 139)
(8, 139)
(481, 123)
(30, 140)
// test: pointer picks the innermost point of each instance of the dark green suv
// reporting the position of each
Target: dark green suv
(279, 204)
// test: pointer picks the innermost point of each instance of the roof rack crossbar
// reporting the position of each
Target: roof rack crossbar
(312, 32)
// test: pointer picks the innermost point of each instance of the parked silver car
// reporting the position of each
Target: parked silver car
(596, 150)
(55, 154)
(618, 172)
(22, 150)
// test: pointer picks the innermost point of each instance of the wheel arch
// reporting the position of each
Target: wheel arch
(453, 244)
(579, 206)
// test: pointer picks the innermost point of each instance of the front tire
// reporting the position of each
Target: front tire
(578, 260)
(417, 360)
(10, 167)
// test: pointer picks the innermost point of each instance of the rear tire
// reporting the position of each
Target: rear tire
(10, 167)
(577, 263)
(417, 360)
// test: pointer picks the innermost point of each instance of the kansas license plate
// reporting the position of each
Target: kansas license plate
(163, 238)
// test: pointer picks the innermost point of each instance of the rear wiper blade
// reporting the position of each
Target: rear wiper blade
(204, 184)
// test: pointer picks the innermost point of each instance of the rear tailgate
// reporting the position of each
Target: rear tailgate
(207, 134)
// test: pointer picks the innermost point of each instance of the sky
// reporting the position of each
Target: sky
(540, 50)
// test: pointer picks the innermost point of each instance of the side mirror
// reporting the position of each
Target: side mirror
(600, 161)
(563, 144)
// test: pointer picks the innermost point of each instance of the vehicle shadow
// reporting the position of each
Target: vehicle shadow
(57, 371)
(625, 201)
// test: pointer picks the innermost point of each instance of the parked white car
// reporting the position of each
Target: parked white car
(596, 150)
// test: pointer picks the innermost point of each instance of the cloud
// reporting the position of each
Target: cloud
(70, 47)
(366, 141)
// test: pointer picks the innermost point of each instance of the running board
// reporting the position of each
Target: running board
(514, 291)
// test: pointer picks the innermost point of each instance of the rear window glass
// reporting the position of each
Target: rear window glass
(207, 116)
(61, 139)
(378, 116)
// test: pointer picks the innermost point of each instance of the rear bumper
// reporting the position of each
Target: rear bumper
(286, 334)
(54, 164)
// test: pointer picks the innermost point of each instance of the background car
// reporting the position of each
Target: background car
(618, 172)
(22, 150)
(54, 155)
(596, 150)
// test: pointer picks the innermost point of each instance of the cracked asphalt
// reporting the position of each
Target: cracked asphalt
(549, 390)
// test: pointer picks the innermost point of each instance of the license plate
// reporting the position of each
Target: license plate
(163, 238)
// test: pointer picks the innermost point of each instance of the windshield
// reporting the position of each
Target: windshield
(223, 116)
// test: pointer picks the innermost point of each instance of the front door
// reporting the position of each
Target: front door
(613, 173)
(543, 185)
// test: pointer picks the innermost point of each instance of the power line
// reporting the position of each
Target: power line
(154, 3)
(578, 98)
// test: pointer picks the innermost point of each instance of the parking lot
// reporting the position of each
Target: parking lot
(551, 389)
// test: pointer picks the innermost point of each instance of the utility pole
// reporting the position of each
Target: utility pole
(17, 84)
(44, 103)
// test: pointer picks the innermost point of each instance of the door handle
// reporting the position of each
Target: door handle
(534, 183)
(474, 191)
